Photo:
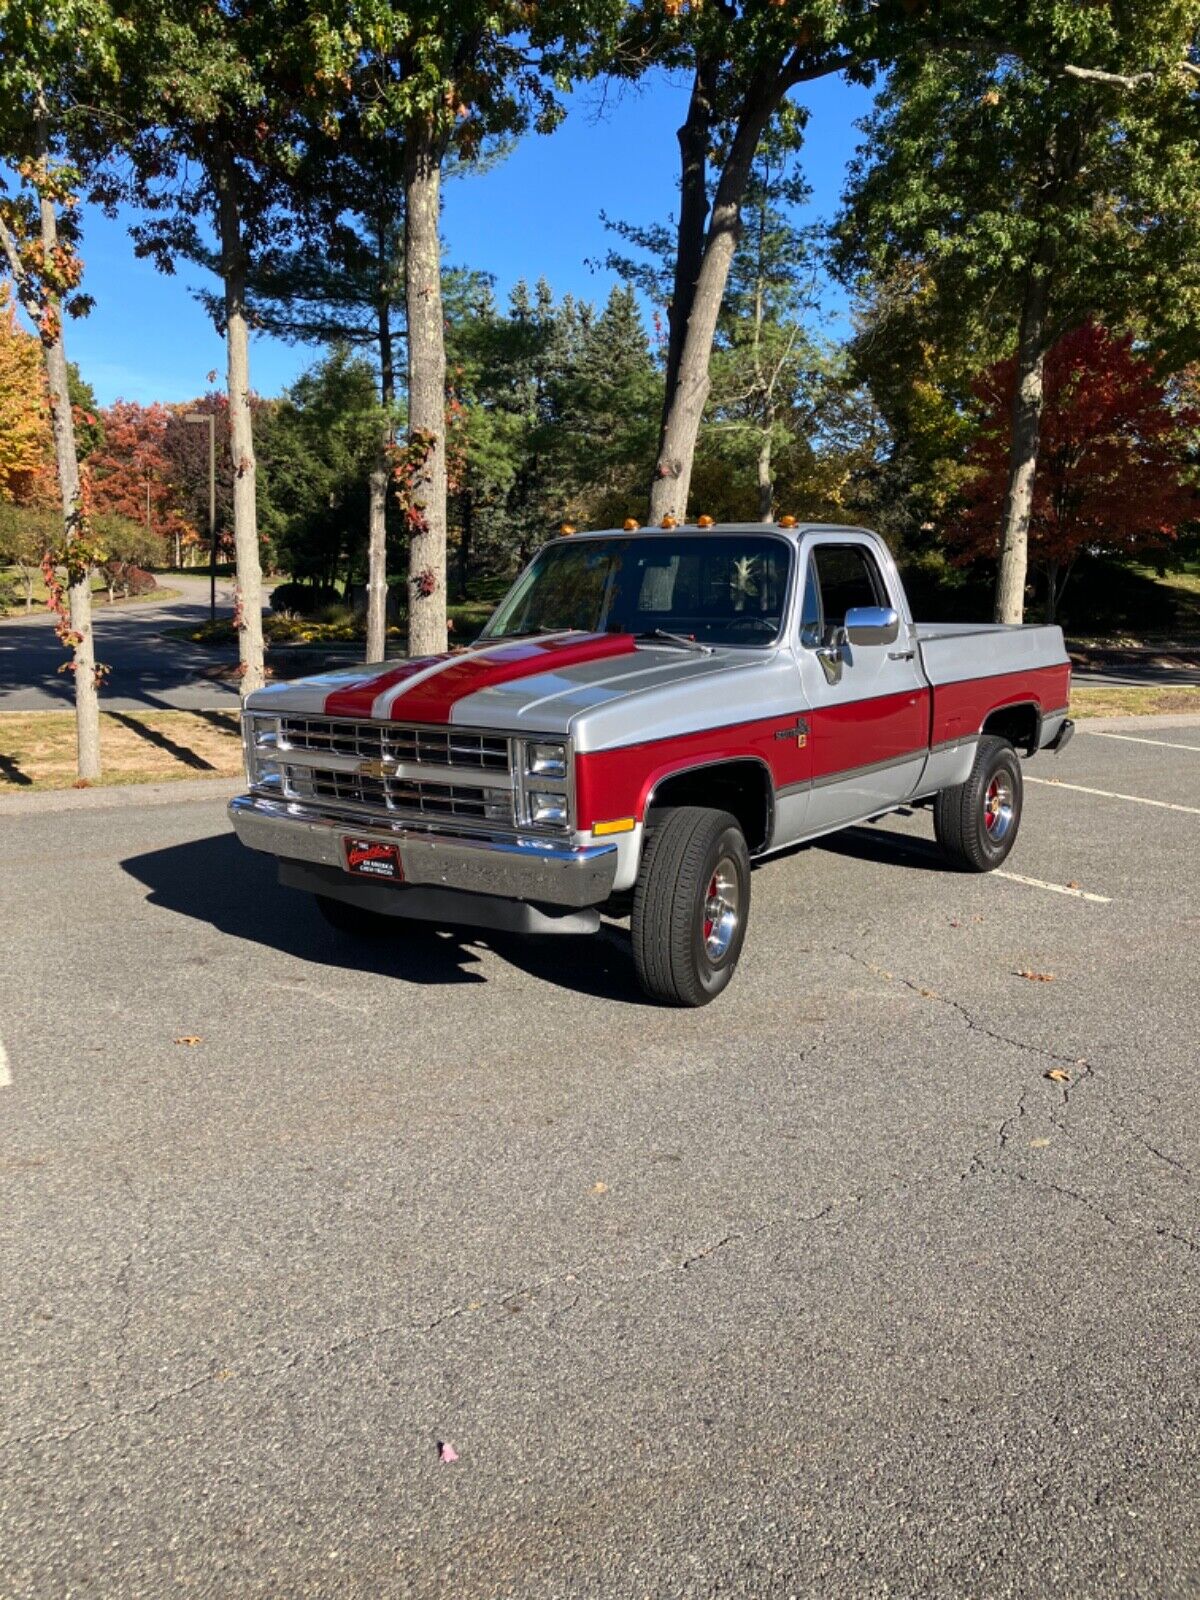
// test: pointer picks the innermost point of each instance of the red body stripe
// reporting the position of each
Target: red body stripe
(617, 783)
(358, 698)
(960, 708)
(433, 700)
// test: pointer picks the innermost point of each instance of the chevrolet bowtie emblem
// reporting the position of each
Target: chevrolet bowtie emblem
(375, 768)
(799, 733)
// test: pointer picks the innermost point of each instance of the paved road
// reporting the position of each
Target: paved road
(827, 1290)
(148, 671)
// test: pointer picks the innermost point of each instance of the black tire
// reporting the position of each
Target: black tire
(977, 822)
(676, 947)
(357, 923)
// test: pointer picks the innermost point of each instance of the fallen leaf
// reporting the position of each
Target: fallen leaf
(1036, 977)
(927, 994)
(1057, 1075)
(190, 1039)
(1072, 884)
(599, 1188)
(1038, 1144)
(446, 1451)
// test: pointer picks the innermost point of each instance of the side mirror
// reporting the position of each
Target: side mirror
(872, 625)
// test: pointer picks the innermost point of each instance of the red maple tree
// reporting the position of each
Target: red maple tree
(1114, 472)
(133, 476)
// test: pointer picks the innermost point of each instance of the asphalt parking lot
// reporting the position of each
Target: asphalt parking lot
(826, 1290)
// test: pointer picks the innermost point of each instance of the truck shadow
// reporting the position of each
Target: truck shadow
(867, 843)
(219, 882)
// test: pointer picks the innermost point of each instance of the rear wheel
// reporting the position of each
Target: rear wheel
(976, 823)
(690, 906)
(357, 923)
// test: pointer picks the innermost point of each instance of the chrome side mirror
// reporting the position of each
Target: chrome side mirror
(872, 625)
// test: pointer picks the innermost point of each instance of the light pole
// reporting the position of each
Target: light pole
(208, 418)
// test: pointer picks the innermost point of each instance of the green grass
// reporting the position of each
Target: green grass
(1098, 700)
(11, 581)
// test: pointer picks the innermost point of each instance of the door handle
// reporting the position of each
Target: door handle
(901, 655)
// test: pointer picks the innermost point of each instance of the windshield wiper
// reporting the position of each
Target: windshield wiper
(676, 638)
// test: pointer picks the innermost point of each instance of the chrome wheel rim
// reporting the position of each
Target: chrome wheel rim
(721, 910)
(999, 805)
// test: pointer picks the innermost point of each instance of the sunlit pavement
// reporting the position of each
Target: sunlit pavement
(877, 1277)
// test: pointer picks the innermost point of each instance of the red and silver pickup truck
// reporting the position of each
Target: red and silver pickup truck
(648, 713)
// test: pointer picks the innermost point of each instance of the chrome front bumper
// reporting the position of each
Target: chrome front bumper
(512, 869)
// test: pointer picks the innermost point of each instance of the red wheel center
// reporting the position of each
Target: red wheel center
(709, 897)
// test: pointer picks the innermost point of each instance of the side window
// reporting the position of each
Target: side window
(841, 576)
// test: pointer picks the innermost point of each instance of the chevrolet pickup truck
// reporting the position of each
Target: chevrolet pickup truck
(648, 713)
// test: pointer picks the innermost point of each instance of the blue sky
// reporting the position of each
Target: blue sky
(536, 214)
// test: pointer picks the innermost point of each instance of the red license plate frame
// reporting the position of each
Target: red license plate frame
(372, 858)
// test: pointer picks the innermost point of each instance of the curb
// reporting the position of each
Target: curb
(1139, 724)
(120, 796)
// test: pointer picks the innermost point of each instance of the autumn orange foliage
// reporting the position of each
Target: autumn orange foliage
(26, 446)
(132, 468)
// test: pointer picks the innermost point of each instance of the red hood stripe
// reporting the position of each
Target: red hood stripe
(358, 698)
(432, 700)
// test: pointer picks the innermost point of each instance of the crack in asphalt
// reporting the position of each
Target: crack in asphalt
(515, 1297)
(972, 1022)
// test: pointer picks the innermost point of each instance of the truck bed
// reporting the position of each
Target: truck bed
(975, 669)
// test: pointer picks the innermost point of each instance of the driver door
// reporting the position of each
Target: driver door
(870, 721)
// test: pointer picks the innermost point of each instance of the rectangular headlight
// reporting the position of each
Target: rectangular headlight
(546, 760)
(260, 738)
(548, 808)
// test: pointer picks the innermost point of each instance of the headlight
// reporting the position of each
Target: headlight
(548, 808)
(261, 740)
(546, 760)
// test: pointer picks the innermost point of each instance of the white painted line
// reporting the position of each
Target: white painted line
(5, 1069)
(1058, 888)
(1132, 738)
(1110, 794)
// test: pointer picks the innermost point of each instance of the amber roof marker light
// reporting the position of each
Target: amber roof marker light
(566, 529)
(631, 524)
(667, 522)
(704, 522)
(785, 522)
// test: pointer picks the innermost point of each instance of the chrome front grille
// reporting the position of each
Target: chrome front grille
(439, 747)
(413, 773)
(405, 796)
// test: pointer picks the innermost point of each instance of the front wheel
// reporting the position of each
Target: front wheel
(690, 906)
(976, 822)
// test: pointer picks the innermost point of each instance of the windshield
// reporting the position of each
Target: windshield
(715, 588)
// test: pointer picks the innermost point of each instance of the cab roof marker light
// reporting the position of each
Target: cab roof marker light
(785, 522)
(704, 522)
(631, 524)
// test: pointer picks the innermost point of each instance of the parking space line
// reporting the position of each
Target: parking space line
(5, 1069)
(1058, 888)
(1110, 794)
(1133, 738)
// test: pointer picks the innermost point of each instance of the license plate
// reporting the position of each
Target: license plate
(368, 858)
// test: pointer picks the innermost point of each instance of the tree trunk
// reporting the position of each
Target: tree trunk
(79, 593)
(686, 401)
(241, 435)
(1023, 453)
(464, 543)
(377, 588)
(694, 137)
(1050, 599)
(426, 394)
(766, 483)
